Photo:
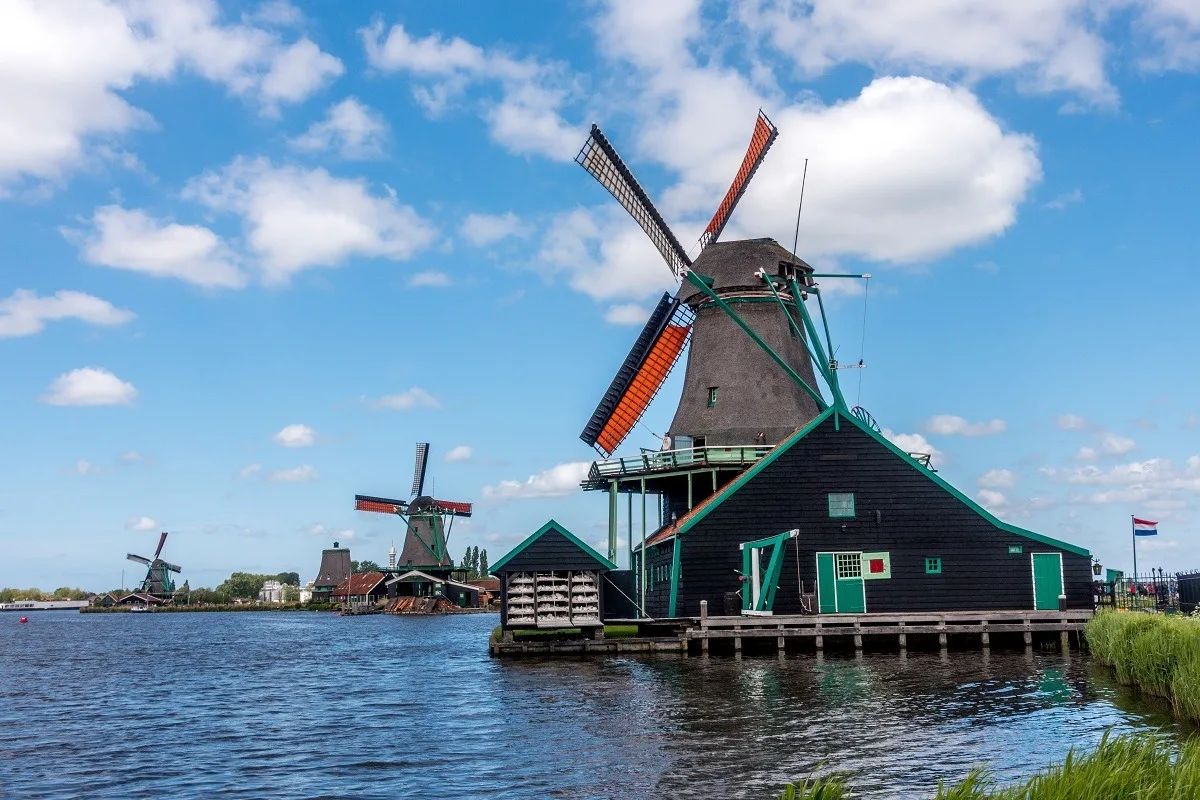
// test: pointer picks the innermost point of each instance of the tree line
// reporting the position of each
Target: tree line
(475, 563)
(8, 595)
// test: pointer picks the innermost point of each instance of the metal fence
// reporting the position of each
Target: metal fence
(1156, 590)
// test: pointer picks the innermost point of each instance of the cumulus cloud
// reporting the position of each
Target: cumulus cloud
(998, 479)
(1116, 445)
(1047, 46)
(141, 524)
(525, 118)
(295, 436)
(430, 278)
(485, 229)
(84, 467)
(1155, 482)
(626, 314)
(131, 239)
(460, 453)
(296, 219)
(249, 469)
(991, 500)
(1070, 422)
(914, 443)
(62, 84)
(339, 535)
(89, 386)
(24, 313)
(407, 400)
(350, 129)
(300, 474)
(950, 425)
(559, 480)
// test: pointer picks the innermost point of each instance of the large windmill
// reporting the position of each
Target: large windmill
(427, 521)
(749, 380)
(158, 581)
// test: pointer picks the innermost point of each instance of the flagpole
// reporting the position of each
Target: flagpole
(1133, 535)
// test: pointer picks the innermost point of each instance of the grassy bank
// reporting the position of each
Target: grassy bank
(1131, 767)
(229, 607)
(1157, 654)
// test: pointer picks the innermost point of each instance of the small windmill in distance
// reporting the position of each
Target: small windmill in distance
(158, 581)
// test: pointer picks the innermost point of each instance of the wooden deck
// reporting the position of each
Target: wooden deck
(879, 631)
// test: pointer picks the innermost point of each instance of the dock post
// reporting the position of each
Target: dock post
(903, 639)
(704, 644)
(942, 641)
(984, 637)
(820, 640)
(1028, 634)
(780, 642)
(703, 613)
(857, 636)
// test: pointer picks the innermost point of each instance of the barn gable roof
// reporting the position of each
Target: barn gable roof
(690, 520)
(549, 527)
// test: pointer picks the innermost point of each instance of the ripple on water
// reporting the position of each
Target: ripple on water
(255, 705)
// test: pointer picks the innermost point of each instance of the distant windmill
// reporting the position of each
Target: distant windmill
(425, 520)
(158, 581)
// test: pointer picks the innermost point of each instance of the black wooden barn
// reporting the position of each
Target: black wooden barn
(876, 530)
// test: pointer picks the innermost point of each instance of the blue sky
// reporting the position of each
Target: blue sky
(255, 251)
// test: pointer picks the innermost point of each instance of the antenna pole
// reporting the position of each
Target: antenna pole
(803, 180)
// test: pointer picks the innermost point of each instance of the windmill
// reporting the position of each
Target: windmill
(732, 393)
(158, 581)
(749, 380)
(427, 520)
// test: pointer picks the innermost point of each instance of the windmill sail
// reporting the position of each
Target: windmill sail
(654, 354)
(600, 159)
(379, 505)
(764, 136)
(161, 541)
(138, 559)
(418, 487)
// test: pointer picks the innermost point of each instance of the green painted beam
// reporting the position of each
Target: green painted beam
(674, 578)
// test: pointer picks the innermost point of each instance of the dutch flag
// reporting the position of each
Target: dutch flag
(1144, 527)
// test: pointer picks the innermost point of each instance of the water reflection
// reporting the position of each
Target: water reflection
(267, 705)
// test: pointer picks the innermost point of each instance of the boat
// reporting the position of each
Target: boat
(44, 605)
(138, 609)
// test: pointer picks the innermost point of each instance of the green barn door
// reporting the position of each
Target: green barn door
(1047, 581)
(840, 588)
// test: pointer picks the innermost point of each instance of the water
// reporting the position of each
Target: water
(267, 705)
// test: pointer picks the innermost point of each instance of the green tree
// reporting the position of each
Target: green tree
(291, 593)
(359, 567)
(475, 560)
(483, 564)
(288, 578)
(245, 585)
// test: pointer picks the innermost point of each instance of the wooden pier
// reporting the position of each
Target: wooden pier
(817, 632)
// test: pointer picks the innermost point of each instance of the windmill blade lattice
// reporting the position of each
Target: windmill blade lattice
(418, 487)
(764, 136)
(600, 159)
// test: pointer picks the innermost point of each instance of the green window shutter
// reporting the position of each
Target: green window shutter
(712, 396)
(841, 504)
(1014, 549)
(933, 565)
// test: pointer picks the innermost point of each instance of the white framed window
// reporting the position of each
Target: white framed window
(848, 565)
(841, 504)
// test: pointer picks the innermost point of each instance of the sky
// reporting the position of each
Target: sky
(254, 251)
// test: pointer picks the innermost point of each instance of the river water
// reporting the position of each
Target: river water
(306, 705)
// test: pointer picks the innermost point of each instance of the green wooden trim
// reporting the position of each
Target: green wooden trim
(787, 443)
(674, 578)
(741, 323)
(736, 300)
(815, 340)
(745, 477)
(933, 565)
(533, 537)
(978, 509)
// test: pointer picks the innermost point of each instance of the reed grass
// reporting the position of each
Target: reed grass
(1141, 766)
(1158, 654)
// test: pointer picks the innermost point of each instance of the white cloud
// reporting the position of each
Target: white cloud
(24, 313)
(66, 67)
(133, 240)
(485, 229)
(83, 467)
(950, 425)
(141, 524)
(134, 457)
(1086, 453)
(1070, 422)
(626, 314)
(998, 479)
(1047, 46)
(89, 386)
(430, 278)
(1114, 444)
(300, 474)
(460, 453)
(1061, 202)
(1173, 28)
(991, 500)
(415, 397)
(914, 443)
(559, 480)
(296, 219)
(249, 469)
(351, 129)
(525, 119)
(295, 436)
(343, 534)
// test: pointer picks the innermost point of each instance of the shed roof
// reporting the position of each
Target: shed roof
(416, 574)
(542, 531)
(362, 583)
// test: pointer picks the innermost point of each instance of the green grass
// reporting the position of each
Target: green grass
(1140, 766)
(1157, 654)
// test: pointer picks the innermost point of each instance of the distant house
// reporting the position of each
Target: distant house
(271, 592)
(364, 589)
(141, 599)
(417, 583)
(106, 600)
(489, 590)
(306, 592)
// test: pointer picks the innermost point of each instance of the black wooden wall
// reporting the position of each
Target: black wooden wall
(898, 510)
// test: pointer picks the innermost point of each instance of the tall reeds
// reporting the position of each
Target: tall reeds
(1131, 767)
(1158, 654)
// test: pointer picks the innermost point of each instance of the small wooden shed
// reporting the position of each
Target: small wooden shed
(552, 580)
